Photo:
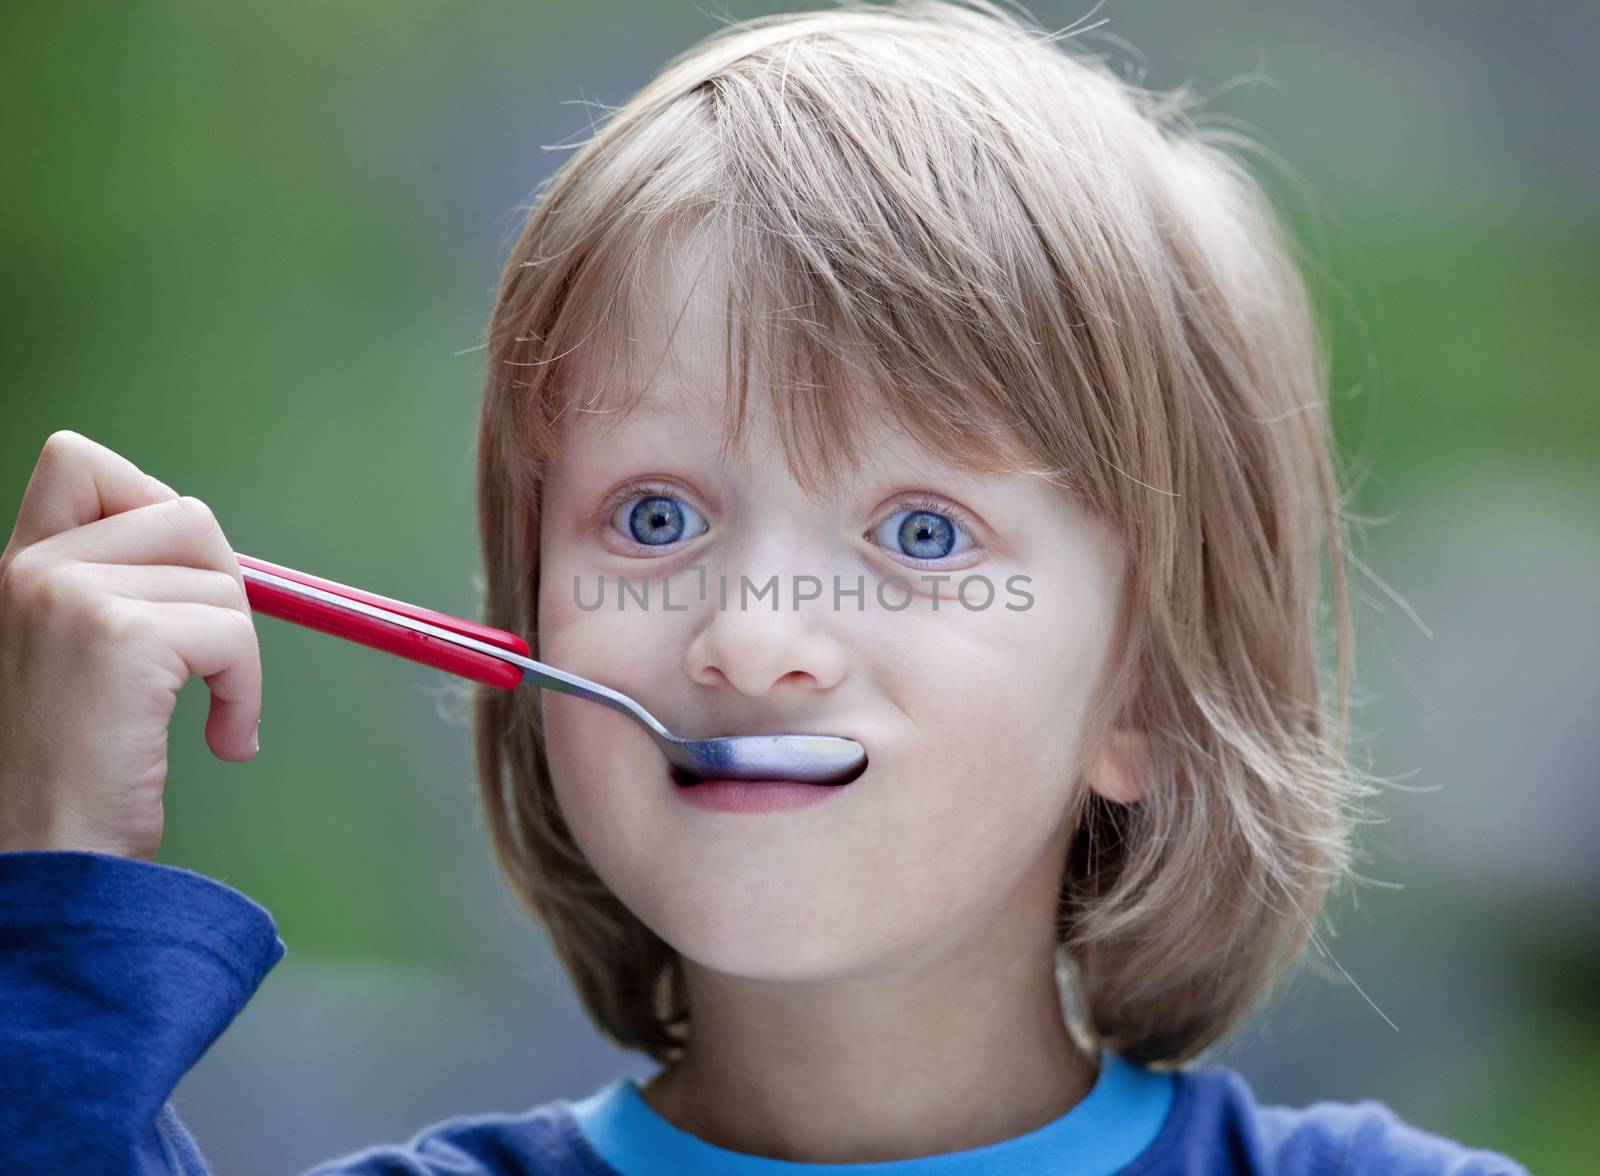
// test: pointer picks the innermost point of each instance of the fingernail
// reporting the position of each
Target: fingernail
(257, 746)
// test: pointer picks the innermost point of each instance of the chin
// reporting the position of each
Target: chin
(763, 938)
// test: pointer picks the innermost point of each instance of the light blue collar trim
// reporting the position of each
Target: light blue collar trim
(1108, 1128)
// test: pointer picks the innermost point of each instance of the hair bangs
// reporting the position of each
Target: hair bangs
(853, 322)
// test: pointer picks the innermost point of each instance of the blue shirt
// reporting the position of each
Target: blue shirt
(117, 975)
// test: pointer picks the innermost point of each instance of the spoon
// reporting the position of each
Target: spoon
(499, 658)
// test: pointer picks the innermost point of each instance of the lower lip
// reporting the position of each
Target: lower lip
(755, 796)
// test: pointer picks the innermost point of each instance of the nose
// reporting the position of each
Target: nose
(757, 648)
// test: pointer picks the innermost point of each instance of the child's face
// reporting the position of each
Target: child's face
(971, 719)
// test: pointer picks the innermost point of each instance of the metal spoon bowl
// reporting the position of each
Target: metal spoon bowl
(499, 658)
(809, 759)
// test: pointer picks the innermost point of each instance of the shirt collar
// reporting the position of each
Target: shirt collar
(1105, 1131)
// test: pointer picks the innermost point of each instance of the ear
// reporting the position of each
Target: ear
(1121, 770)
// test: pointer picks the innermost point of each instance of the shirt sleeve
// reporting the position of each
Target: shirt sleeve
(1217, 1126)
(1368, 1137)
(116, 975)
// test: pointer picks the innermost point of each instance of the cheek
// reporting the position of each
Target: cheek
(605, 769)
(587, 741)
(995, 694)
(629, 650)
(998, 702)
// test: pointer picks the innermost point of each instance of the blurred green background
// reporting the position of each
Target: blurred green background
(252, 248)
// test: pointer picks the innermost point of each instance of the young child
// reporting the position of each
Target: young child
(997, 369)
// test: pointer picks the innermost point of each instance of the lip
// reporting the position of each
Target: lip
(753, 796)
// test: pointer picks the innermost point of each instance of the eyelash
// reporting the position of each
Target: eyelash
(914, 502)
(627, 494)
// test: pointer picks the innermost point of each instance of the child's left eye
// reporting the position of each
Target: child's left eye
(924, 529)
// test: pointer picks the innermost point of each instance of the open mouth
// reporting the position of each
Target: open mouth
(688, 780)
(732, 795)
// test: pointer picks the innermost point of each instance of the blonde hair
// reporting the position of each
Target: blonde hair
(1033, 265)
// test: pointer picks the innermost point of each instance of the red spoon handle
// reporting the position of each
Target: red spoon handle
(304, 609)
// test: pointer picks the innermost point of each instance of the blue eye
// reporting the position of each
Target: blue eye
(655, 520)
(922, 528)
(925, 530)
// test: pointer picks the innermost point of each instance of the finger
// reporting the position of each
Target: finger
(77, 481)
(219, 645)
(167, 583)
(182, 532)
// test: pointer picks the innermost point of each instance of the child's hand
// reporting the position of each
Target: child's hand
(113, 591)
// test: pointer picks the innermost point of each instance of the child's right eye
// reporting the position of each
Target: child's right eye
(655, 519)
